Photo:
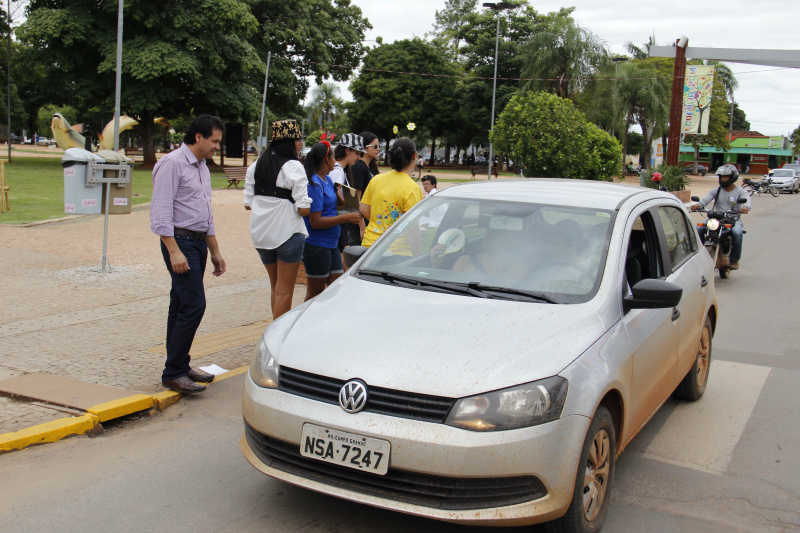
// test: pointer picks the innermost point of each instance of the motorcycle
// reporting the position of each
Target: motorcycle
(718, 240)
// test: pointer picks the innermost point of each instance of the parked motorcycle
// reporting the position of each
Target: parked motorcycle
(717, 239)
(762, 186)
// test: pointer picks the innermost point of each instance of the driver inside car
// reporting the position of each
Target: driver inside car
(567, 257)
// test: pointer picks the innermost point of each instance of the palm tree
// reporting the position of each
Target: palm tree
(563, 54)
(634, 94)
(325, 105)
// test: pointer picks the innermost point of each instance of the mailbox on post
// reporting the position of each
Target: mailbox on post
(117, 171)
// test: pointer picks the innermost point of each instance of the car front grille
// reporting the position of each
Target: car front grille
(382, 401)
(437, 492)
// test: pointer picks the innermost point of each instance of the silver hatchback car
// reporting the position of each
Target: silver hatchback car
(489, 357)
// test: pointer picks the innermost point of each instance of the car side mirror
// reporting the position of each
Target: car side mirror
(695, 198)
(741, 201)
(653, 294)
(353, 254)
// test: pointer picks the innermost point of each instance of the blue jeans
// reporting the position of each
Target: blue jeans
(187, 304)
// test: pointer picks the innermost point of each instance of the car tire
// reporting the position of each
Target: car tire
(593, 481)
(693, 385)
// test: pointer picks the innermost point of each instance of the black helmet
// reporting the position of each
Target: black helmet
(727, 175)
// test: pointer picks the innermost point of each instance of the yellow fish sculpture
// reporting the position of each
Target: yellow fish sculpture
(65, 135)
(107, 137)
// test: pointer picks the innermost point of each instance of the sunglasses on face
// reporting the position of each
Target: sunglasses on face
(372, 146)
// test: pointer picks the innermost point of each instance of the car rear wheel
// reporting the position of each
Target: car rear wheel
(694, 383)
(593, 482)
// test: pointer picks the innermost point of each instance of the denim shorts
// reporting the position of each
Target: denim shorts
(321, 262)
(290, 251)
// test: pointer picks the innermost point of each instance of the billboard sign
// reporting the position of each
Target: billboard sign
(697, 88)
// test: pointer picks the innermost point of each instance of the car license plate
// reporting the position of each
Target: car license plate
(345, 449)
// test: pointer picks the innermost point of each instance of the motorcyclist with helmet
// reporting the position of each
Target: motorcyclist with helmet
(725, 198)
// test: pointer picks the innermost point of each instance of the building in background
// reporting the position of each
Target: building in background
(751, 152)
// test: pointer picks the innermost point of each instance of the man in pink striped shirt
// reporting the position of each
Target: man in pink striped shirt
(180, 214)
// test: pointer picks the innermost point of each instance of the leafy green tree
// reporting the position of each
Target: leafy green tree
(564, 54)
(176, 57)
(795, 139)
(308, 39)
(448, 30)
(383, 100)
(740, 122)
(477, 60)
(634, 92)
(45, 116)
(552, 138)
(325, 106)
(635, 143)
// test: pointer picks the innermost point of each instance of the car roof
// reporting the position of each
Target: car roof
(568, 192)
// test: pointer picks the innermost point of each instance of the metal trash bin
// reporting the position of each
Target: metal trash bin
(80, 196)
(121, 193)
(643, 175)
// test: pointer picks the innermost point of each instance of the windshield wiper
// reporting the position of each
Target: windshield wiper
(415, 282)
(470, 289)
(476, 287)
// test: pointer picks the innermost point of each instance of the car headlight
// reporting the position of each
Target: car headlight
(521, 406)
(712, 224)
(264, 369)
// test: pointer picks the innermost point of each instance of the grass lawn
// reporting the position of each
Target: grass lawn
(37, 189)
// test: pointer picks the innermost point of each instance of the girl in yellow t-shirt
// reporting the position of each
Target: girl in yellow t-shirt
(391, 194)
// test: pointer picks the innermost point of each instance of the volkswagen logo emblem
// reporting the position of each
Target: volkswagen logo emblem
(353, 396)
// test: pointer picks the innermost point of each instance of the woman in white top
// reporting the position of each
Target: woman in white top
(347, 152)
(276, 193)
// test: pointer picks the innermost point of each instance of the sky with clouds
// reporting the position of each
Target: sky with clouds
(769, 96)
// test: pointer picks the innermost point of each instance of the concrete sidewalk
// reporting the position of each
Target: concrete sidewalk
(60, 317)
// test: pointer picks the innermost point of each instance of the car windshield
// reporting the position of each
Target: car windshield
(782, 173)
(494, 249)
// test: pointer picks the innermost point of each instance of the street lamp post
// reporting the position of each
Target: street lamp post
(496, 7)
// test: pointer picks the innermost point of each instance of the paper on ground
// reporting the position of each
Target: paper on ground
(213, 369)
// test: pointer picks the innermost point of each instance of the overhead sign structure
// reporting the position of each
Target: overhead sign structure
(697, 87)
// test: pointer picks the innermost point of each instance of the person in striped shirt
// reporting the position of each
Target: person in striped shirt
(180, 214)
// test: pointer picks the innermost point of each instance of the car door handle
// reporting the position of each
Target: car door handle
(676, 314)
(704, 282)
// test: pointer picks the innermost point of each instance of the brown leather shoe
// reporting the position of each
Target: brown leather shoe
(183, 384)
(199, 376)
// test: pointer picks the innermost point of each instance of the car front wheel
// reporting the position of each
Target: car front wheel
(593, 482)
(694, 383)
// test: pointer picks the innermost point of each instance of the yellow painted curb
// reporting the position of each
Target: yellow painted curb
(121, 407)
(162, 400)
(48, 432)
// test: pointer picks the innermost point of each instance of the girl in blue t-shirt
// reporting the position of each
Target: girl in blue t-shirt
(321, 257)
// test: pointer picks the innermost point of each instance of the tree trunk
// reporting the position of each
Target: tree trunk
(222, 150)
(696, 158)
(647, 134)
(433, 150)
(148, 147)
(458, 154)
(625, 142)
(246, 142)
(447, 152)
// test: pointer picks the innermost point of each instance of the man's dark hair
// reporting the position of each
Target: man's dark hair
(205, 126)
(431, 179)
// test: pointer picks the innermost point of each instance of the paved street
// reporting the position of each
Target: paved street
(727, 463)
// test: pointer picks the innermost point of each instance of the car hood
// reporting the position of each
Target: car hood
(433, 343)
